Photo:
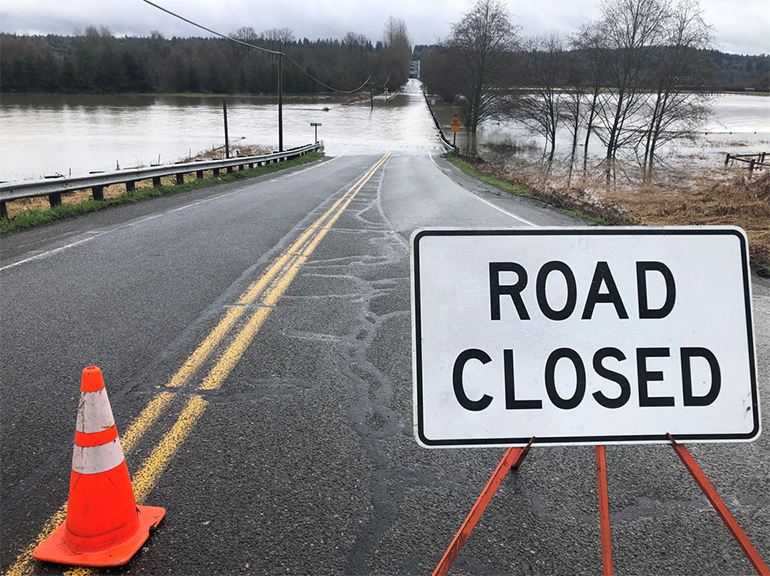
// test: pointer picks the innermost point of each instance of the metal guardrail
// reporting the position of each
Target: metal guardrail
(447, 145)
(54, 188)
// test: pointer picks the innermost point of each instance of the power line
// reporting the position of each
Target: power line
(326, 85)
(277, 53)
(175, 15)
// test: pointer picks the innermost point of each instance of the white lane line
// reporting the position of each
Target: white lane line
(511, 214)
(94, 234)
(49, 252)
(309, 168)
(98, 233)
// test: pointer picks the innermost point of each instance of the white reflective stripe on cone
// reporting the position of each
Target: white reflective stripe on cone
(94, 412)
(97, 459)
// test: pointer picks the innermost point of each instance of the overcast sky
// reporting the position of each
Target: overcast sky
(741, 26)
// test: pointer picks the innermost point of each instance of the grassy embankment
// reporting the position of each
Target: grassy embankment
(728, 198)
(34, 211)
(481, 171)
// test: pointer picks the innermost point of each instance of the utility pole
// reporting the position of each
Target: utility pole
(280, 96)
(227, 139)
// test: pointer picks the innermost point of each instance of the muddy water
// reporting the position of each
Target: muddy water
(740, 125)
(49, 134)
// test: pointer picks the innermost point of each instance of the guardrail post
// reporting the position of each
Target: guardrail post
(94, 183)
(229, 169)
(751, 165)
(3, 210)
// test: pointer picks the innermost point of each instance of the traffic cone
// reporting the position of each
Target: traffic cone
(104, 526)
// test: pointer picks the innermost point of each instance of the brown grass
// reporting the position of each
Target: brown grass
(739, 200)
(77, 196)
(719, 196)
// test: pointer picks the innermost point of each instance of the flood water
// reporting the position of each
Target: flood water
(74, 134)
(740, 124)
(49, 134)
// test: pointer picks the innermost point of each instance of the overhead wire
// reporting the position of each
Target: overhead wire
(277, 53)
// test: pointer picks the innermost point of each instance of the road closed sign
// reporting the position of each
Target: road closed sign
(582, 336)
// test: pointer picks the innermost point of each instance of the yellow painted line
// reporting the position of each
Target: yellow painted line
(22, 565)
(235, 351)
(146, 419)
(128, 441)
(248, 297)
(147, 476)
(152, 468)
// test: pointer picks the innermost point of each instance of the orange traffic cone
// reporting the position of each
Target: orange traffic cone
(104, 526)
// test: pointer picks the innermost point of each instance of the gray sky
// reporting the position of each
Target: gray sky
(741, 26)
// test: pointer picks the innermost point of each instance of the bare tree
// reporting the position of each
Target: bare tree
(437, 73)
(278, 36)
(355, 42)
(246, 34)
(631, 31)
(591, 81)
(539, 107)
(395, 34)
(479, 45)
(574, 100)
(675, 110)
(396, 54)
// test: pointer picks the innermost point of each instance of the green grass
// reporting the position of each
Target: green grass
(515, 189)
(761, 269)
(519, 190)
(600, 220)
(36, 216)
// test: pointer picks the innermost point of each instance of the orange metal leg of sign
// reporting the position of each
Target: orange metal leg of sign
(512, 459)
(604, 511)
(522, 454)
(719, 506)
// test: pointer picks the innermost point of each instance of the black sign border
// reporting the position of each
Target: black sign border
(565, 440)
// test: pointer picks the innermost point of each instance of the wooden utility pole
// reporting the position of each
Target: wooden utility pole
(227, 139)
(280, 96)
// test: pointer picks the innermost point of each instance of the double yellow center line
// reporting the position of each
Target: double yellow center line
(255, 304)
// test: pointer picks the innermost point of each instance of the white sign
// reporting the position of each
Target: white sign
(582, 336)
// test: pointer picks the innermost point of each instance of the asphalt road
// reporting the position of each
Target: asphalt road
(286, 447)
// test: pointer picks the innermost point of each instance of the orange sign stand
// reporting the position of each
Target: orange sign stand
(515, 456)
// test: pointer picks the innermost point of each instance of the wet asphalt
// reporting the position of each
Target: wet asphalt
(304, 461)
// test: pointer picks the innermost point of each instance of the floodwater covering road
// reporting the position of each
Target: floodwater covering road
(255, 343)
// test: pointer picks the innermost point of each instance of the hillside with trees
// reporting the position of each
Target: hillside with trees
(98, 62)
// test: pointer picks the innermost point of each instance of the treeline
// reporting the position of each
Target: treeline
(727, 71)
(98, 62)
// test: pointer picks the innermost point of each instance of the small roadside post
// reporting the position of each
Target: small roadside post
(316, 125)
(455, 123)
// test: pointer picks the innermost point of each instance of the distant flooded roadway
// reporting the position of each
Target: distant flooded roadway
(49, 134)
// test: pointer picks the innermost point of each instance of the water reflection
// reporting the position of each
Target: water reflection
(46, 134)
(739, 121)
